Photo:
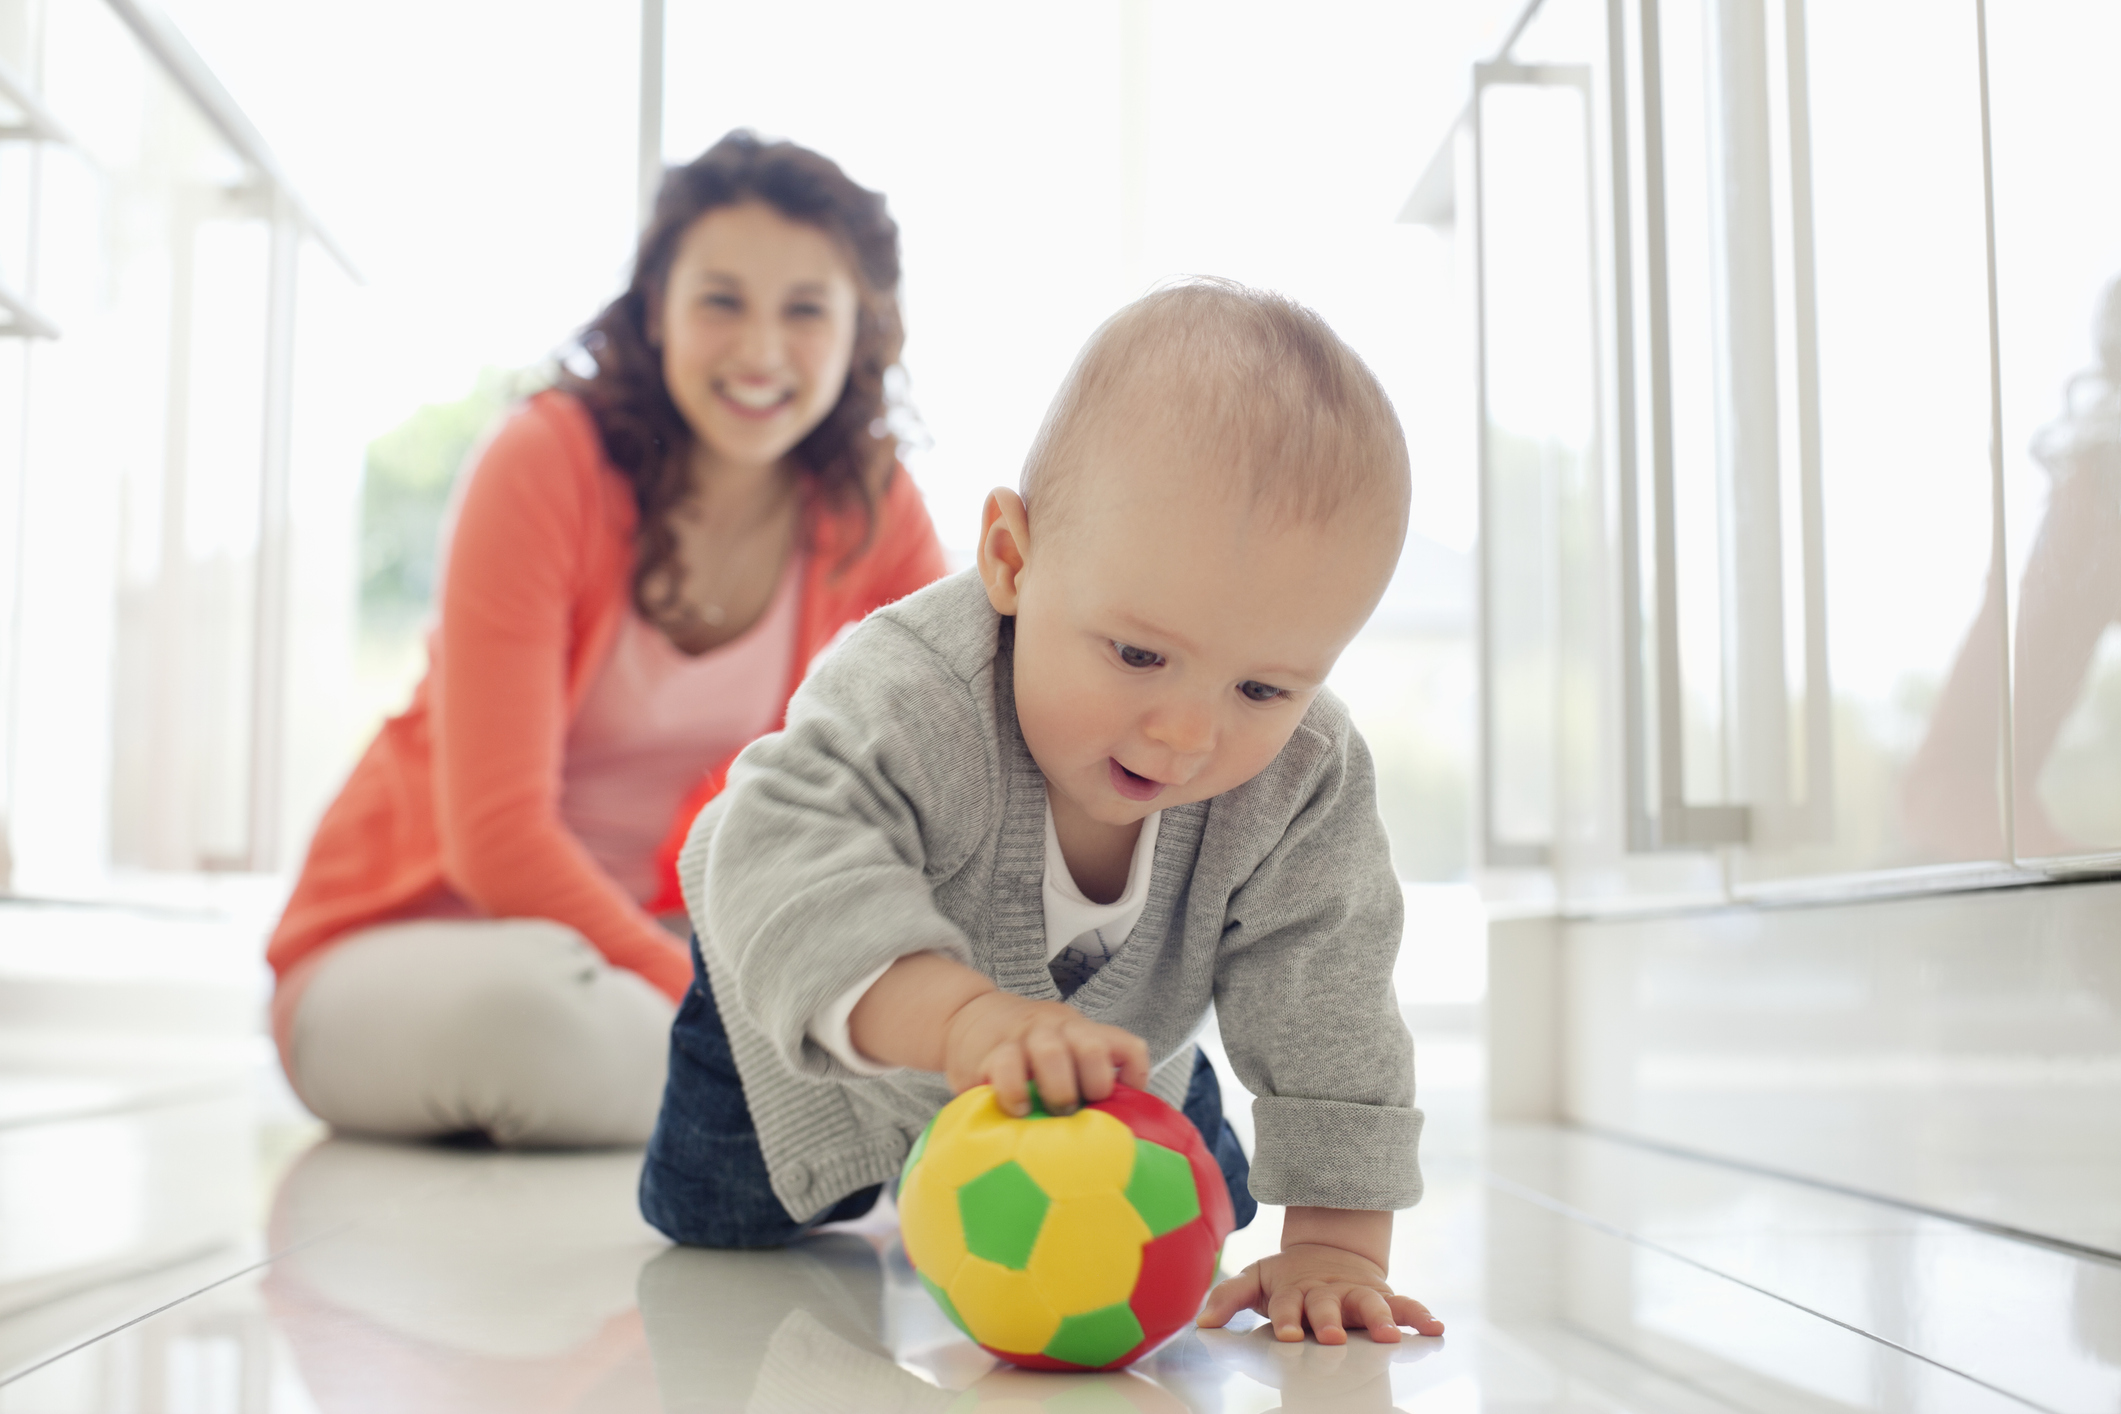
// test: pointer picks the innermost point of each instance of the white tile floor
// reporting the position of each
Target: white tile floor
(261, 1268)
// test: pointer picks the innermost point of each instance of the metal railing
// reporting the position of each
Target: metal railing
(266, 194)
(18, 318)
(181, 63)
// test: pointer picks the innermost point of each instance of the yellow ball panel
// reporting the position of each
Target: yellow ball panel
(1089, 1252)
(929, 1226)
(970, 1140)
(954, 1114)
(1078, 1155)
(1002, 1308)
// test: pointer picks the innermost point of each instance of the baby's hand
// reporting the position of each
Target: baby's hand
(1003, 1040)
(1327, 1287)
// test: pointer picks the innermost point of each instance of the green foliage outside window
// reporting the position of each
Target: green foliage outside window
(405, 490)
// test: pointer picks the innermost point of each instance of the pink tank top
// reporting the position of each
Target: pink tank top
(656, 719)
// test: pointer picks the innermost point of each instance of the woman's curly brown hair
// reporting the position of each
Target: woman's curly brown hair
(850, 455)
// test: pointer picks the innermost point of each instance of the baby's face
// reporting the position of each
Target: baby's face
(1169, 638)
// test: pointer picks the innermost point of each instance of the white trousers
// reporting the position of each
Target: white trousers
(515, 1028)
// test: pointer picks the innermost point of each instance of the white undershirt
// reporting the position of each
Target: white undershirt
(1090, 934)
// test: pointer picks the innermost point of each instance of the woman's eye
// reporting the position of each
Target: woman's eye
(723, 302)
(806, 311)
(1260, 692)
(1136, 657)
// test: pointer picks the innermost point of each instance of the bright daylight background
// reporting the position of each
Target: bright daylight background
(1045, 164)
(478, 162)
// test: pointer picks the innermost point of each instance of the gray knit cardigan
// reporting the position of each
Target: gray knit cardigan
(900, 812)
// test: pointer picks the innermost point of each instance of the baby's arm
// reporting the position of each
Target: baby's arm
(1304, 1000)
(930, 1012)
(1329, 1274)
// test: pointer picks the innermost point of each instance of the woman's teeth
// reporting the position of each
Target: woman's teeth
(757, 399)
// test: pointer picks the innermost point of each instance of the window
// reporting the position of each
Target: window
(1822, 598)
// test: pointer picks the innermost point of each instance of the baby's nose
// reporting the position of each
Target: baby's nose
(1185, 729)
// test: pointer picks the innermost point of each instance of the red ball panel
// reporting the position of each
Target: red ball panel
(1177, 1270)
(1137, 1352)
(1151, 1119)
(1214, 1190)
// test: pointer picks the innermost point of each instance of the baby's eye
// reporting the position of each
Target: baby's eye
(1260, 692)
(1136, 657)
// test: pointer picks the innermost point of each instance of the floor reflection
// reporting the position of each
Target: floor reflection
(800, 1328)
(412, 1279)
(422, 1279)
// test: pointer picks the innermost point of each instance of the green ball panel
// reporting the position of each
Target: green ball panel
(1096, 1337)
(1002, 1211)
(1161, 1188)
(942, 1299)
(920, 1147)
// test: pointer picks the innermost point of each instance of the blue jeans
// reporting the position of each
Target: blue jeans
(704, 1181)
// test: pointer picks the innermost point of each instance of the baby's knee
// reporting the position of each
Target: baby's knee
(709, 1206)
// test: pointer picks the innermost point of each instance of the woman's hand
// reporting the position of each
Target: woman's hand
(1003, 1040)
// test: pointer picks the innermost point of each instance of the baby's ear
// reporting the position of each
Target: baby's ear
(1004, 542)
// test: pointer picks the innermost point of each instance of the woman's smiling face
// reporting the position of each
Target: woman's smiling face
(755, 327)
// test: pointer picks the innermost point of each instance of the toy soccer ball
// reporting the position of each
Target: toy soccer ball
(1076, 1242)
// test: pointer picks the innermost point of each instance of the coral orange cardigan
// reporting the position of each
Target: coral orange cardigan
(462, 788)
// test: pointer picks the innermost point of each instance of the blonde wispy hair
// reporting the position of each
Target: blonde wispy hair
(1245, 379)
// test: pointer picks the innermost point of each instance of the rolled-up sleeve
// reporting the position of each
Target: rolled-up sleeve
(1304, 999)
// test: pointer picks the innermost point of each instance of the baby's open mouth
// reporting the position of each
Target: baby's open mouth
(1130, 785)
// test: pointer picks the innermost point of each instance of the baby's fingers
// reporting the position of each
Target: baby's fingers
(1005, 1072)
(1409, 1312)
(1322, 1305)
(1239, 1293)
(1285, 1309)
(1132, 1053)
(1093, 1067)
(1375, 1313)
(1053, 1067)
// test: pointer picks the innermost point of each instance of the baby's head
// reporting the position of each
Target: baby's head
(1210, 512)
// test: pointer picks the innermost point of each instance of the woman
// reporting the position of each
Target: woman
(640, 566)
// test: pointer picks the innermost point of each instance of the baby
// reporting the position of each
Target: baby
(1028, 824)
